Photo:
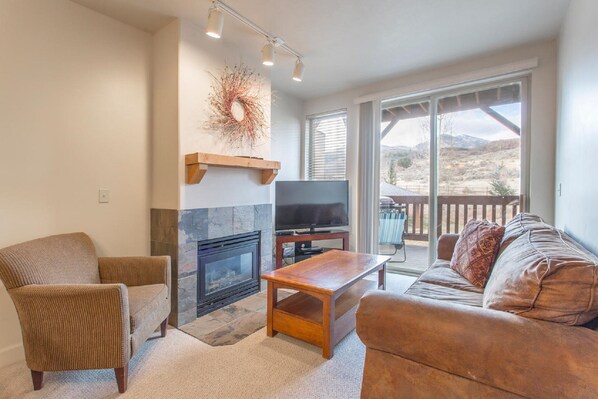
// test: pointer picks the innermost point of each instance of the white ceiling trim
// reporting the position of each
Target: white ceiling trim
(426, 88)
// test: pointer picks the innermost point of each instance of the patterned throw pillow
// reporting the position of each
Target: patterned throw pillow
(476, 250)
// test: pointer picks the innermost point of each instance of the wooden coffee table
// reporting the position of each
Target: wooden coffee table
(329, 288)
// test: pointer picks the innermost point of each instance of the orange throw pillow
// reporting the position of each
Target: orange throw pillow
(476, 251)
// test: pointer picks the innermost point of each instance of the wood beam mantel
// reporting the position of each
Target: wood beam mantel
(196, 166)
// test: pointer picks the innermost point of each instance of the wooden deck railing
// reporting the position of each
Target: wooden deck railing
(455, 211)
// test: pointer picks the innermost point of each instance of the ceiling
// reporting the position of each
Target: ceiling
(352, 43)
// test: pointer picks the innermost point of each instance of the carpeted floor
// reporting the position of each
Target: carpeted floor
(180, 366)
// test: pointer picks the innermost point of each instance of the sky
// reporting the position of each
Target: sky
(409, 132)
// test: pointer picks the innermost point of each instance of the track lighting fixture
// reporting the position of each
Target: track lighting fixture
(298, 71)
(268, 54)
(216, 23)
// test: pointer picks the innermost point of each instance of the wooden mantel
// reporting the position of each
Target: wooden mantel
(196, 166)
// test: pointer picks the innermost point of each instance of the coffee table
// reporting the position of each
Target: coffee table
(329, 288)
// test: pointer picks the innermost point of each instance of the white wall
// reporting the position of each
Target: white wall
(577, 140)
(200, 55)
(543, 104)
(74, 117)
(165, 137)
(287, 124)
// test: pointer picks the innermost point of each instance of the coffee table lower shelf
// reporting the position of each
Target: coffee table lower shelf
(310, 319)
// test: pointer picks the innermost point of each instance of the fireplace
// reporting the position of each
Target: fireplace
(228, 269)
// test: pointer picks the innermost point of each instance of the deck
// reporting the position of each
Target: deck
(417, 258)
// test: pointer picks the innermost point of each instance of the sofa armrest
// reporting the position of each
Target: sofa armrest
(446, 246)
(532, 358)
(135, 270)
(74, 326)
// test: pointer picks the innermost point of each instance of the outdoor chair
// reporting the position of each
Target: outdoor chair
(392, 230)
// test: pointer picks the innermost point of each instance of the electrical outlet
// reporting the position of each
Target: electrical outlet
(104, 196)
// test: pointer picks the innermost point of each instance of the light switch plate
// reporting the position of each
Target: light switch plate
(104, 196)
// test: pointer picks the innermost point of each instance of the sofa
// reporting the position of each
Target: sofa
(78, 311)
(446, 338)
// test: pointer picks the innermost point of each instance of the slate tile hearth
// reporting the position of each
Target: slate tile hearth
(234, 322)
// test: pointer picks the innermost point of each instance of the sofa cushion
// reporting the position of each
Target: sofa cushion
(440, 273)
(544, 274)
(442, 293)
(519, 225)
(144, 301)
(476, 251)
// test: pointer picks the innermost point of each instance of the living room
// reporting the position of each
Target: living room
(123, 120)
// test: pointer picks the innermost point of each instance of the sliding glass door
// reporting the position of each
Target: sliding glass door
(445, 159)
(405, 182)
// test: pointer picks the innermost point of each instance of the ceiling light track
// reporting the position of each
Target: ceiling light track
(216, 23)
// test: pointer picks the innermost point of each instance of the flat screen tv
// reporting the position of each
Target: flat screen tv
(311, 204)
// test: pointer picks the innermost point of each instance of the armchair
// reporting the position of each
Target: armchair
(79, 312)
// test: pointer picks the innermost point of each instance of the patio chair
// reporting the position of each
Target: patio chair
(392, 230)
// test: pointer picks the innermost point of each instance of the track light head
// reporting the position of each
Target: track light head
(268, 54)
(215, 23)
(298, 71)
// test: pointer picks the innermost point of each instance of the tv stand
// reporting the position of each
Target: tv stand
(313, 231)
(309, 236)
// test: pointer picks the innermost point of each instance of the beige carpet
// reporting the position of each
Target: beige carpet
(180, 366)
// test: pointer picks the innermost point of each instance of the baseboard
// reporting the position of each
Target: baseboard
(11, 354)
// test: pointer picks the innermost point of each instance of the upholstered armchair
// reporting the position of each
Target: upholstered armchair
(78, 311)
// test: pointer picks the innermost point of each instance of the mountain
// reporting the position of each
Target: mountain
(462, 141)
(388, 148)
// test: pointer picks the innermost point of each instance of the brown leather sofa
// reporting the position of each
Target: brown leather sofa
(78, 311)
(438, 341)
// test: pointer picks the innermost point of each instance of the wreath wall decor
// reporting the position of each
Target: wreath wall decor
(236, 106)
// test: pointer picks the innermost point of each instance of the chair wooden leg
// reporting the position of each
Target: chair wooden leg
(164, 327)
(38, 379)
(122, 375)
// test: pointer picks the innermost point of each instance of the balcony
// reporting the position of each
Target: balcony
(453, 213)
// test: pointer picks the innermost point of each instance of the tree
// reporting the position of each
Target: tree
(391, 177)
(498, 186)
(405, 162)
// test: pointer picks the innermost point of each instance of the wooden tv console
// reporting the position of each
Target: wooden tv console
(299, 237)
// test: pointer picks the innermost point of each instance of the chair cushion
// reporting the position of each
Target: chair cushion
(544, 274)
(144, 301)
(476, 250)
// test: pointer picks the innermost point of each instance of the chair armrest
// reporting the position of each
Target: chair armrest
(74, 326)
(446, 246)
(135, 270)
(532, 358)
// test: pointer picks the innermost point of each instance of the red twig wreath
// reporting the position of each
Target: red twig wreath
(235, 102)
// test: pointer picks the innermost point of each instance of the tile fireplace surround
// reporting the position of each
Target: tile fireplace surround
(176, 233)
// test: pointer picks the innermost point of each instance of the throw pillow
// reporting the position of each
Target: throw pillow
(476, 250)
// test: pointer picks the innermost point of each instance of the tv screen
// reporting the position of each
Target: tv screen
(310, 204)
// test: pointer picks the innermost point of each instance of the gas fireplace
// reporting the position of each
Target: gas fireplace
(228, 269)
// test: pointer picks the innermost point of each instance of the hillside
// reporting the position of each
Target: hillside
(466, 166)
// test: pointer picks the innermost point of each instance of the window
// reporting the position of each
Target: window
(326, 147)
